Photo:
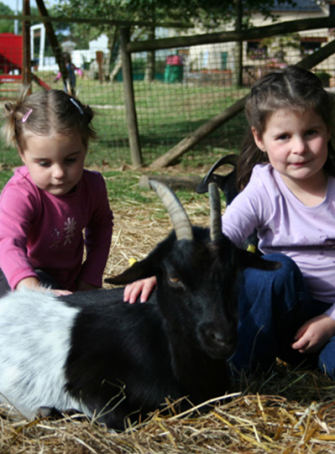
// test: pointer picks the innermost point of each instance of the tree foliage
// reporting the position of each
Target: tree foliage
(6, 26)
(202, 12)
(208, 14)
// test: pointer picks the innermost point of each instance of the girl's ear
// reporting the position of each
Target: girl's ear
(258, 139)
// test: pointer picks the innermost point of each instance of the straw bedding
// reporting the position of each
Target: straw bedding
(289, 411)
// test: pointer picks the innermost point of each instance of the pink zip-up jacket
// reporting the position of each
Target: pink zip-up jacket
(41, 231)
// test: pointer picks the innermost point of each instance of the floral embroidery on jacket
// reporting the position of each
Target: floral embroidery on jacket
(70, 226)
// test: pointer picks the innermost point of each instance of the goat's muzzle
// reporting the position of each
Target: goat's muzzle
(216, 341)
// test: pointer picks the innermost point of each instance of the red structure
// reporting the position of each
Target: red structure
(10, 52)
(11, 56)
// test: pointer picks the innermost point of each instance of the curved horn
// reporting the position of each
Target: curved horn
(221, 180)
(178, 216)
(228, 159)
(215, 212)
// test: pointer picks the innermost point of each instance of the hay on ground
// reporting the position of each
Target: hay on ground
(289, 412)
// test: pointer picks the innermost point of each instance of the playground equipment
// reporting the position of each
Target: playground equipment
(11, 63)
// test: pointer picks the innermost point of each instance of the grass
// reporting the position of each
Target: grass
(166, 113)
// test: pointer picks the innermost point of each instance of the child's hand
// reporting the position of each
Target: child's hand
(143, 287)
(314, 334)
(34, 284)
(59, 292)
(29, 282)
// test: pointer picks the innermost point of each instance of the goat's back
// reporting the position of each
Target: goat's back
(35, 335)
(84, 352)
(127, 349)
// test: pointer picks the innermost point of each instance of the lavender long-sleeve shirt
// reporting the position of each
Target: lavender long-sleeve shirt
(286, 225)
(40, 230)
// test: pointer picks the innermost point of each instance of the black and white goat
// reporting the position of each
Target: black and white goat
(95, 354)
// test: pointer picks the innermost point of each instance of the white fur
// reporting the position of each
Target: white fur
(35, 330)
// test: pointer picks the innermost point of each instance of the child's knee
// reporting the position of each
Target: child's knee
(288, 277)
(255, 279)
(288, 265)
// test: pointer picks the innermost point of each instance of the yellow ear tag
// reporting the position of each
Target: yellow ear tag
(251, 248)
(132, 261)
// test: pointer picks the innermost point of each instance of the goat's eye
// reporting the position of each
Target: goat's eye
(174, 279)
(176, 282)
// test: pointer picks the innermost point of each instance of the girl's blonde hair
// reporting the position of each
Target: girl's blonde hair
(294, 89)
(46, 112)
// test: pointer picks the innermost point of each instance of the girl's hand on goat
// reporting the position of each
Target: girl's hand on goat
(314, 334)
(34, 284)
(60, 292)
(142, 287)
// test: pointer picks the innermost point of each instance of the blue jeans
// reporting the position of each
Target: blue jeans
(273, 305)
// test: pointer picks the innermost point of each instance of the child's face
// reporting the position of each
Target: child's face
(55, 162)
(296, 143)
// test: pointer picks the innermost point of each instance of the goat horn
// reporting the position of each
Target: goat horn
(179, 218)
(215, 212)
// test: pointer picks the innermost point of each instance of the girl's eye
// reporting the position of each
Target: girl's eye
(44, 163)
(283, 137)
(311, 132)
(70, 160)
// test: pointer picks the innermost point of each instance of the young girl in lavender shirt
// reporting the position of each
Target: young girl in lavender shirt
(286, 177)
(52, 199)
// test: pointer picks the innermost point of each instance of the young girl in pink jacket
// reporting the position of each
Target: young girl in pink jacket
(52, 209)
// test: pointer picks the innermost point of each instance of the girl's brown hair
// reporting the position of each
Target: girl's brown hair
(294, 89)
(46, 112)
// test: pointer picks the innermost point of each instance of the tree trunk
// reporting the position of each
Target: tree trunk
(150, 67)
(112, 41)
(53, 41)
(134, 138)
(117, 67)
(26, 63)
(238, 68)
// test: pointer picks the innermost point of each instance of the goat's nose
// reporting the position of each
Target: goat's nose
(216, 341)
(215, 335)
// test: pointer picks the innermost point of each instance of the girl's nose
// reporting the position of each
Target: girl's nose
(299, 145)
(58, 172)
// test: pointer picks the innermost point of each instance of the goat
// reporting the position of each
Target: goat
(93, 353)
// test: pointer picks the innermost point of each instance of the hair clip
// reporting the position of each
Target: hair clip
(77, 105)
(26, 116)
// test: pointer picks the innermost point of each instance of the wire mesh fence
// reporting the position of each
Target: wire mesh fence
(190, 86)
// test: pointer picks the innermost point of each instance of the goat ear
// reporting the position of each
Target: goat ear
(140, 270)
(251, 260)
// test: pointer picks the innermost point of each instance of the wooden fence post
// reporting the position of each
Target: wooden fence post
(26, 63)
(134, 139)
